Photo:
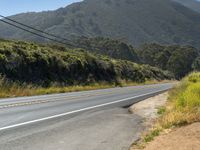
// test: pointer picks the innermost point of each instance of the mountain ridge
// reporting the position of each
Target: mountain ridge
(135, 22)
(192, 4)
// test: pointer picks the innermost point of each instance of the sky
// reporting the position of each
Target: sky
(11, 7)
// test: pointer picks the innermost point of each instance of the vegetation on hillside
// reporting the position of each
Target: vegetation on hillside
(44, 65)
(105, 46)
(180, 60)
(196, 64)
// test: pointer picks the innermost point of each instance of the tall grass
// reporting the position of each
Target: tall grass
(183, 108)
(184, 103)
(14, 89)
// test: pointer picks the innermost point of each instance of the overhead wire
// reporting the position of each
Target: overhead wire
(21, 26)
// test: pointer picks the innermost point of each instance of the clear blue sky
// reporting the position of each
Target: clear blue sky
(11, 7)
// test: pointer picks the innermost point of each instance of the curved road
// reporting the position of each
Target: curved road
(26, 116)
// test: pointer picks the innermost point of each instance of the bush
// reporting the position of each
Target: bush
(196, 64)
(44, 65)
(177, 59)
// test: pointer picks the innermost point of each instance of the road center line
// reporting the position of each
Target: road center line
(51, 100)
(79, 110)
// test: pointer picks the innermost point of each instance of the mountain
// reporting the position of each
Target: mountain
(131, 21)
(192, 4)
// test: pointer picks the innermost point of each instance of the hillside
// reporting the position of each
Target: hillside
(179, 60)
(192, 4)
(112, 48)
(43, 65)
(135, 22)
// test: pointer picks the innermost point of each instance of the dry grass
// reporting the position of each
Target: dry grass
(184, 103)
(12, 89)
(183, 107)
(8, 89)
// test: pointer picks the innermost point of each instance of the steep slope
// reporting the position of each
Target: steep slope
(105, 46)
(192, 4)
(180, 60)
(43, 65)
(133, 21)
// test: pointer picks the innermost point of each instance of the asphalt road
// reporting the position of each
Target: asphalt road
(73, 120)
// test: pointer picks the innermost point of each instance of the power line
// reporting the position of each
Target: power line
(32, 28)
(32, 32)
(37, 34)
(69, 42)
(35, 30)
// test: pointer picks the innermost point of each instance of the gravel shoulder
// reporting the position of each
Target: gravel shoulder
(148, 108)
(183, 138)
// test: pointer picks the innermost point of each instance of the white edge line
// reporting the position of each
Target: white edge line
(79, 110)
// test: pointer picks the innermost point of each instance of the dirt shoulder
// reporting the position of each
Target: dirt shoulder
(184, 138)
(148, 108)
(178, 126)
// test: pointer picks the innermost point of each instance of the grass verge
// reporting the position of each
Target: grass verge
(184, 103)
(183, 107)
(13, 89)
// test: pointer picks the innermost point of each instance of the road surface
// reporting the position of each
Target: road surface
(78, 120)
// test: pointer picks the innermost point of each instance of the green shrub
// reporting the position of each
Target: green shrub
(180, 60)
(44, 65)
(149, 137)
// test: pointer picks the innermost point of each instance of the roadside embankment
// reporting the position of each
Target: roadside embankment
(33, 69)
(15, 89)
(148, 110)
(183, 138)
(178, 124)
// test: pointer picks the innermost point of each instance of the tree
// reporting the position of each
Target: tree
(196, 64)
(180, 63)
